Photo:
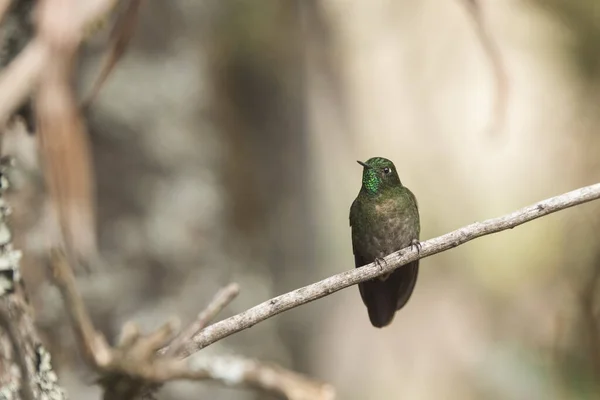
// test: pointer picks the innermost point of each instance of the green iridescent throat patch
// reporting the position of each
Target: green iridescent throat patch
(371, 180)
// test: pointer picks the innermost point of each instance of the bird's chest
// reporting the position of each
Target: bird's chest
(385, 227)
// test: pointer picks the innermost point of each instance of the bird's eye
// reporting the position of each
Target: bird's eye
(386, 170)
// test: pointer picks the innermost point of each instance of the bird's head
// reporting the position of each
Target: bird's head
(379, 174)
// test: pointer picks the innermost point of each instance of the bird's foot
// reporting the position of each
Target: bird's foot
(417, 244)
(380, 263)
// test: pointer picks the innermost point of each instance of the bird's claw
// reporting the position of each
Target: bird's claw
(417, 244)
(380, 263)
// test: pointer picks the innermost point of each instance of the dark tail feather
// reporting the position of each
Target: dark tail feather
(384, 298)
(407, 283)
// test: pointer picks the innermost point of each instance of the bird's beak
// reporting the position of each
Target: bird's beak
(364, 165)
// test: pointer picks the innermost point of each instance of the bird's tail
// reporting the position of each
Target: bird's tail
(384, 297)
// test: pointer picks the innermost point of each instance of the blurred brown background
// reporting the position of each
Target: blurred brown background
(225, 146)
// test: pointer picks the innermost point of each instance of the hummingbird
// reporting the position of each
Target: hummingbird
(384, 218)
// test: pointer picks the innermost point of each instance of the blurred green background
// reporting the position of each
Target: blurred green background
(225, 145)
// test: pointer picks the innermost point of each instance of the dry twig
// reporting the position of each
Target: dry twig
(120, 38)
(135, 365)
(48, 62)
(306, 294)
(21, 75)
(240, 371)
(217, 304)
(135, 354)
(64, 141)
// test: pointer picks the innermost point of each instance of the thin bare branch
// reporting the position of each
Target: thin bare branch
(21, 76)
(64, 141)
(136, 355)
(92, 344)
(136, 364)
(120, 38)
(240, 371)
(216, 305)
(298, 297)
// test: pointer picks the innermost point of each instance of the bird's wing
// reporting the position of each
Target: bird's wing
(352, 211)
(412, 197)
(414, 200)
(358, 261)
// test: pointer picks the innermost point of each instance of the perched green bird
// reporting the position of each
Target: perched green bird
(384, 218)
